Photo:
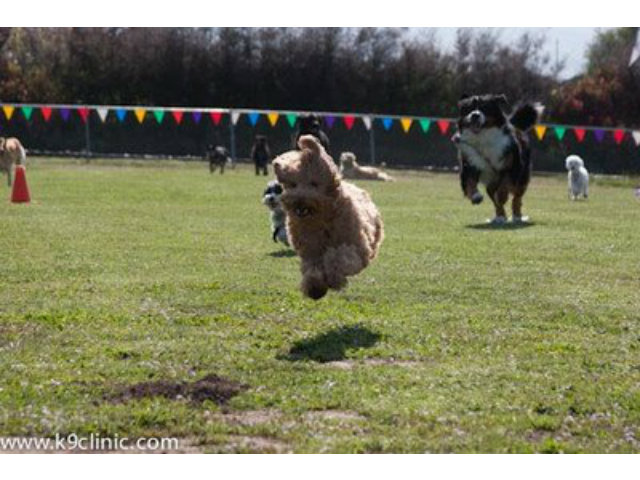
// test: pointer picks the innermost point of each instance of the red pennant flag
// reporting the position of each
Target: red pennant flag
(177, 116)
(46, 113)
(348, 121)
(216, 117)
(84, 114)
(579, 133)
(443, 125)
(618, 136)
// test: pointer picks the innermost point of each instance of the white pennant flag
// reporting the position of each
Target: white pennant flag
(636, 137)
(234, 117)
(367, 122)
(635, 53)
(102, 113)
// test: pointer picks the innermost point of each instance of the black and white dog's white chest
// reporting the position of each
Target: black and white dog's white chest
(487, 149)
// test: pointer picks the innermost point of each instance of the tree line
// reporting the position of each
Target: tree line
(377, 70)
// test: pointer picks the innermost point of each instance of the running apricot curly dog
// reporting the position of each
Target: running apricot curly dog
(333, 225)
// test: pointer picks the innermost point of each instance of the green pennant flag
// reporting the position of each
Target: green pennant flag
(159, 114)
(291, 119)
(425, 123)
(560, 132)
(27, 111)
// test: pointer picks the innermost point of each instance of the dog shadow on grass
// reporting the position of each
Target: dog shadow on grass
(284, 253)
(504, 226)
(331, 346)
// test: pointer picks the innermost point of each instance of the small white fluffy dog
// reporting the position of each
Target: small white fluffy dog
(578, 177)
(349, 168)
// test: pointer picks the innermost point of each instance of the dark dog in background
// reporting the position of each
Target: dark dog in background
(218, 157)
(261, 154)
(493, 149)
(310, 125)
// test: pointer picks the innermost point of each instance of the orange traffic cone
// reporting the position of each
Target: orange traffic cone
(20, 192)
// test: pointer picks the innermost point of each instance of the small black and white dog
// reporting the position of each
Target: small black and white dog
(493, 149)
(278, 217)
(218, 157)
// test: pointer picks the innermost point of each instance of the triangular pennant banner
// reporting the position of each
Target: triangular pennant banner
(102, 113)
(406, 124)
(27, 111)
(273, 118)
(235, 116)
(367, 122)
(159, 114)
(425, 123)
(618, 136)
(599, 134)
(121, 113)
(349, 120)
(579, 133)
(636, 137)
(387, 122)
(540, 131)
(46, 113)
(560, 131)
(197, 116)
(8, 111)
(291, 119)
(216, 117)
(84, 114)
(140, 113)
(65, 113)
(443, 125)
(253, 118)
(177, 116)
(330, 120)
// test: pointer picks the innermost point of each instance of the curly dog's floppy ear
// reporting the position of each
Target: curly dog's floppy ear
(277, 168)
(309, 142)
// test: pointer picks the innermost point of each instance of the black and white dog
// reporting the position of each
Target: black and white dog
(218, 157)
(278, 217)
(493, 149)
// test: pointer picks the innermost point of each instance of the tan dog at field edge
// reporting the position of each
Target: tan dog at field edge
(349, 168)
(333, 225)
(11, 152)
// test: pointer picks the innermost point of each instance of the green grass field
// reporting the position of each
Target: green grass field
(458, 338)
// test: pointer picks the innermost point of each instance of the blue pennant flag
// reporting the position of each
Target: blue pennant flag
(253, 118)
(121, 113)
(387, 122)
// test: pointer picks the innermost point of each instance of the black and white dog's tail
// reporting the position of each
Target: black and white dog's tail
(526, 116)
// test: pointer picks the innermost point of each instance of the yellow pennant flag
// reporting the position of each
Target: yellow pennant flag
(540, 129)
(8, 111)
(406, 124)
(140, 113)
(273, 118)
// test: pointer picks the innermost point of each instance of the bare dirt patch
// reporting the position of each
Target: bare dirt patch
(211, 387)
(372, 362)
(247, 418)
(252, 444)
(342, 415)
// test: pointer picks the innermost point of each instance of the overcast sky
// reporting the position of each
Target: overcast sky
(572, 42)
